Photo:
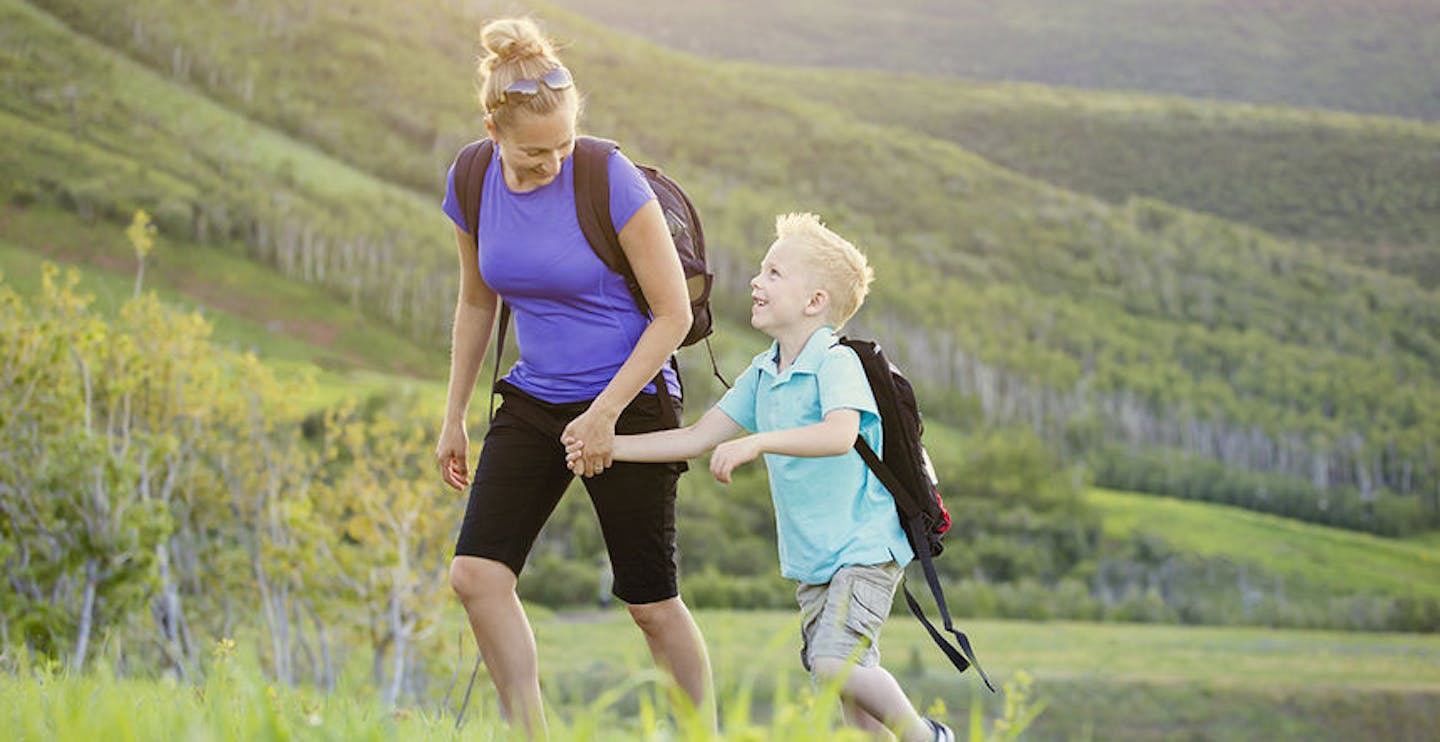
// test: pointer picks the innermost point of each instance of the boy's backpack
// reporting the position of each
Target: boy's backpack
(592, 208)
(904, 468)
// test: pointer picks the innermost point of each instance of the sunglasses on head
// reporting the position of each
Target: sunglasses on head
(558, 78)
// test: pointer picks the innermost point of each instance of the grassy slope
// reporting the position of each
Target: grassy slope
(740, 191)
(295, 327)
(1364, 186)
(1345, 561)
(1066, 291)
(134, 138)
(1355, 55)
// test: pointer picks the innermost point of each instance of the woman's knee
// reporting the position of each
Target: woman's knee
(658, 618)
(476, 577)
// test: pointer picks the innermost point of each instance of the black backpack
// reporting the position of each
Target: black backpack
(904, 468)
(592, 208)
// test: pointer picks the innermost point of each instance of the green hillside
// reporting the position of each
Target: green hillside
(1138, 324)
(297, 328)
(1346, 560)
(1263, 566)
(94, 132)
(1365, 188)
(1352, 55)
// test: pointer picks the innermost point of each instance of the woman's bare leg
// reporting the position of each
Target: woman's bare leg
(679, 649)
(487, 590)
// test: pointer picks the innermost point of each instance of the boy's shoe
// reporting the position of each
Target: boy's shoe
(942, 732)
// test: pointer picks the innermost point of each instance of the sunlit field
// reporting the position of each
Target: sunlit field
(1085, 680)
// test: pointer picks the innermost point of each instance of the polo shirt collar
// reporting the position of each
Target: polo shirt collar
(809, 360)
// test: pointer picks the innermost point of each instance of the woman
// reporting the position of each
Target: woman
(587, 356)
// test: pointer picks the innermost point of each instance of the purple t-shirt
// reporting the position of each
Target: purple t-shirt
(575, 321)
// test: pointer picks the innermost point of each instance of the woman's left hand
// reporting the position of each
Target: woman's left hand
(594, 431)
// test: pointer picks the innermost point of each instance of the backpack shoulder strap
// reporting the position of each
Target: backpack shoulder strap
(592, 208)
(592, 201)
(469, 178)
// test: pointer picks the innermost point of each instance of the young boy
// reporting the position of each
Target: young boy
(805, 399)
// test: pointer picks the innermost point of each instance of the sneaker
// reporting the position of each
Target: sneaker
(942, 732)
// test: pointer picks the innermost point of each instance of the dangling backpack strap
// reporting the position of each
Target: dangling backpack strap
(964, 656)
(933, 580)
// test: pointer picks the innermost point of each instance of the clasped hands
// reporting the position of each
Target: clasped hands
(589, 442)
(585, 460)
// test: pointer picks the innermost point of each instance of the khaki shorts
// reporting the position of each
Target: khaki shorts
(842, 618)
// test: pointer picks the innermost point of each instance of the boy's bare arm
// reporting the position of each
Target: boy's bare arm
(679, 444)
(832, 437)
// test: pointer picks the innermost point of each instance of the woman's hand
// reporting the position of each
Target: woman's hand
(451, 455)
(592, 435)
(731, 454)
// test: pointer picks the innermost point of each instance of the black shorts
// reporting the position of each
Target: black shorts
(522, 474)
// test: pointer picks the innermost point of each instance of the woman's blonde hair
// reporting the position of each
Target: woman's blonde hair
(839, 266)
(516, 49)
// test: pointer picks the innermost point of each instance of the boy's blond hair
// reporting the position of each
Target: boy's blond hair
(839, 266)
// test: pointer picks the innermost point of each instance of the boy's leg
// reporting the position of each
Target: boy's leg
(840, 627)
(877, 697)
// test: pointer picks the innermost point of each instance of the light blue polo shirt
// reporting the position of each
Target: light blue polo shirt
(829, 511)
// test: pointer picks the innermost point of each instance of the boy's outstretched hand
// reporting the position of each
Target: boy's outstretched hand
(731, 454)
(574, 455)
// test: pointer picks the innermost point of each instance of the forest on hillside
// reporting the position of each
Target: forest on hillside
(1148, 341)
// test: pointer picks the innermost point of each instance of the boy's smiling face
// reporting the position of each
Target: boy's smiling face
(785, 293)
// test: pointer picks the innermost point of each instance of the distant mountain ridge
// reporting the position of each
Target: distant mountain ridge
(1368, 56)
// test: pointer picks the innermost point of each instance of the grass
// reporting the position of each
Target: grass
(1278, 546)
(1119, 681)
(1096, 681)
(235, 702)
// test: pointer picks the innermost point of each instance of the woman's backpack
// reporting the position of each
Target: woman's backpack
(592, 207)
(904, 468)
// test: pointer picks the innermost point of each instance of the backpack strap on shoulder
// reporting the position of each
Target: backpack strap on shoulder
(592, 205)
(592, 209)
(469, 178)
(471, 165)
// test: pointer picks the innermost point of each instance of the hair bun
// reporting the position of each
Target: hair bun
(513, 39)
